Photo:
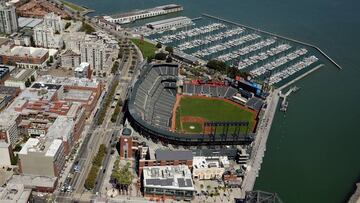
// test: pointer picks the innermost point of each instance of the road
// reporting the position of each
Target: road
(124, 83)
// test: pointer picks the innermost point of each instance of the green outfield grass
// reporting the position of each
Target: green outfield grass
(210, 110)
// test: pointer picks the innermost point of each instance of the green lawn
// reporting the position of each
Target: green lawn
(73, 6)
(147, 49)
(212, 110)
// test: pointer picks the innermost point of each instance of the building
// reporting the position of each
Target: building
(171, 23)
(209, 168)
(7, 95)
(46, 36)
(82, 90)
(167, 158)
(8, 127)
(4, 74)
(19, 78)
(70, 59)
(27, 57)
(5, 153)
(42, 157)
(93, 51)
(38, 9)
(29, 23)
(14, 193)
(168, 182)
(8, 19)
(141, 14)
(73, 40)
(54, 21)
(35, 183)
(128, 146)
(83, 70)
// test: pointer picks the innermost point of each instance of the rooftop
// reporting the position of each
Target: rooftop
(47, 146)
(210, 162)
(170, 20)
(137, 12)
(69, 81)
(167, 155)
(28, 51)
(22, 74)
(14, 193)
(61, 128)
(31, 181)
(172, 177)
(29, 22)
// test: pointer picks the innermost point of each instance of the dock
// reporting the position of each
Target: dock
(278, 36)
(301, 76)
(284, 103)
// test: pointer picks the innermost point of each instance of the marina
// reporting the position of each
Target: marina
(267, 57)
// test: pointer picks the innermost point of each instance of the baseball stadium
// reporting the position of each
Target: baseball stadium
(165, 108)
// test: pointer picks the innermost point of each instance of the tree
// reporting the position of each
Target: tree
(169, 49)
(57, 32)
(169, 59)
(27, 83)
(67, 25)
(160, 56)
(32, 78)
(150, 58)
(158, 45)
(104, 74)
(51, 59)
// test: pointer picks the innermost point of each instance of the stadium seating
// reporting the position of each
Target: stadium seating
(208, 90)
(156, 96)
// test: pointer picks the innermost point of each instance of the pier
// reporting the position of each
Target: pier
(279, 36)
(301, 77)
(284, 103)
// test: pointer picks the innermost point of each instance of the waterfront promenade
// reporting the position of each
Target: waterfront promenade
(259, 146)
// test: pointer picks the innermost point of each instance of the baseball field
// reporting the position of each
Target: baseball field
(193, 111)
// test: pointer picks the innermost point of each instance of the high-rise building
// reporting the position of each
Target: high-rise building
(93, 52)
(45, 36)
(8, 19)
(54, 21)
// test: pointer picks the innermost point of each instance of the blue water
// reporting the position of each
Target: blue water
(312, 153)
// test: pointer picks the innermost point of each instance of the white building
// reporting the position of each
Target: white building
(54, 21)
(170, 181)
(14, 193)
(43, 157)
(5, 159)
(70, 59)
(44, 36)
(74, 40)
(171, 23)
(82, 70)
(8, 19)
(93, 51)
(8, 126)
(19, 79)
(141, 14)
(207, 168)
